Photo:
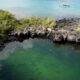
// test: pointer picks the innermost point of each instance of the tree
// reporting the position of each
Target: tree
(7, 21)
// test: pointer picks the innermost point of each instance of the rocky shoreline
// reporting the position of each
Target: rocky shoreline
(54, 34)
(63, 32)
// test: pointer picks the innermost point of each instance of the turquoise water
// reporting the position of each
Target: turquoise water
(53, 8)
(39, 60)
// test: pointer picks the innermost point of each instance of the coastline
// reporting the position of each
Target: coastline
(55, 34)
(59, 31)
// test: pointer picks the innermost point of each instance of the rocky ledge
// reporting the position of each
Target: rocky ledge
(56, 35)
(61, 33)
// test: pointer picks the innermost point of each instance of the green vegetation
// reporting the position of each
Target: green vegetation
(36, 21)
(8, 22)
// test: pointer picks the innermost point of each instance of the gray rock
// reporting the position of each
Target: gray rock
(71, 37)
(58, 37)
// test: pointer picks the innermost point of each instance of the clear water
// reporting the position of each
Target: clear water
(53, 8)
(39, 60)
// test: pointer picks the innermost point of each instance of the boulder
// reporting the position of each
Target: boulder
(58, 37)
(71, 37)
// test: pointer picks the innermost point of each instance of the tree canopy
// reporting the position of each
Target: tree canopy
(7, 20)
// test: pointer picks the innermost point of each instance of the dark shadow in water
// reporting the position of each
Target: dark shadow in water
(56, 45)
(18, 72)
(73, 45)
(10, 73)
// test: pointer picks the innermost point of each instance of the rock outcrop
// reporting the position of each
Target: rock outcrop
(55, 34)
(61, 33)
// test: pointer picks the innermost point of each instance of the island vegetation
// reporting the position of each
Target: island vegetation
(61, 30)
(8, 22)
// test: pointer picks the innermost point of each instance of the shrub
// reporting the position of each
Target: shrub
(7, 21)
(37, 21)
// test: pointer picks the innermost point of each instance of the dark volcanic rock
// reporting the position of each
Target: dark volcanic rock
(64, 31)
(68, 24)
(58, 37)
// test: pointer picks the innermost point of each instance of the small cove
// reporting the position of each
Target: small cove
(38, 59)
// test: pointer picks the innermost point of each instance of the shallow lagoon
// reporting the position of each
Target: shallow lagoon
(39, 60)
